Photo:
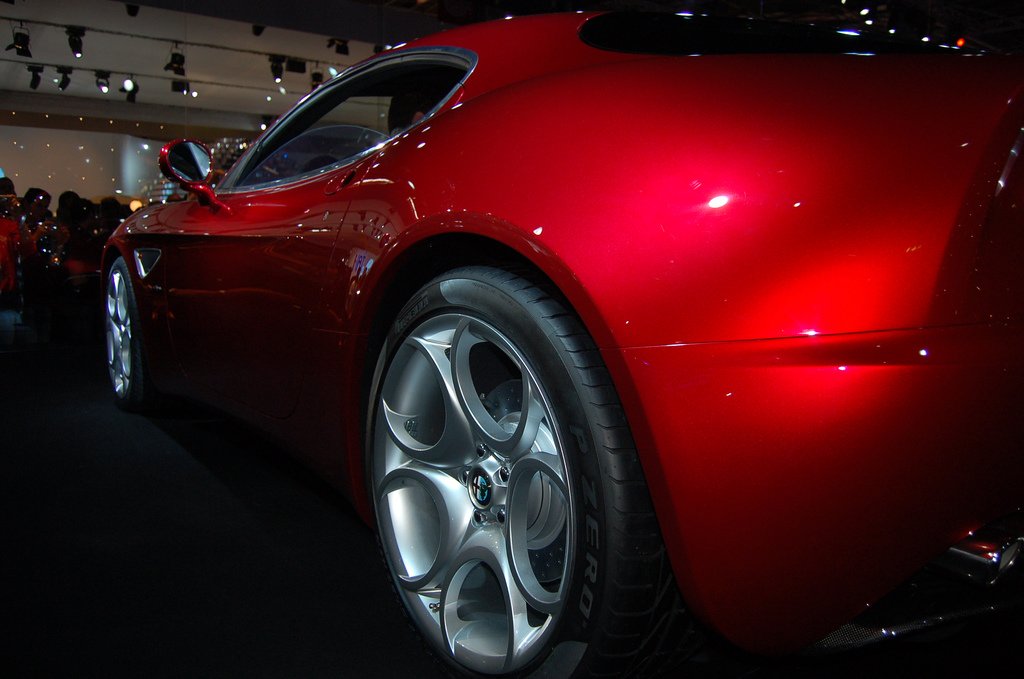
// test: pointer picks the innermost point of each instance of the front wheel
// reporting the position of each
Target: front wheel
(511, 508)
(126, 362)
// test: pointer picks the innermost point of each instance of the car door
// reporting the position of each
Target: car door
(245, 282)
(242, 288)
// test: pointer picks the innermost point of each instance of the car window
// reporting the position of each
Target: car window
(348, 118)
(664, 33)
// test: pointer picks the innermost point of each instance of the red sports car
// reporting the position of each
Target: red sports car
(623, 330)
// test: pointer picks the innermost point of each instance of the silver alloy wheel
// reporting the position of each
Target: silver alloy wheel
(119, 334)
(472, 493)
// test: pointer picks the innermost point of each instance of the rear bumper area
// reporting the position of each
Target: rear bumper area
(980, 575)
(800, 480)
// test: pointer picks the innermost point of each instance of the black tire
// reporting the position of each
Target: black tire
(521, 541)
(126, 360)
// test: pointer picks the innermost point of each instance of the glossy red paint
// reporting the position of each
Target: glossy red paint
(803, 272)
(839, 464)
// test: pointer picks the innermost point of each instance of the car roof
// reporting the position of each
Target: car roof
(522, 48)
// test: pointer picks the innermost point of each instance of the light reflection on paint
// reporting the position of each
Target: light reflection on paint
(718, 201)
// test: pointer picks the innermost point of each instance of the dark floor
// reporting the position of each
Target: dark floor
(186, 546)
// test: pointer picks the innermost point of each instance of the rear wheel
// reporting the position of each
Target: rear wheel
(511, 507)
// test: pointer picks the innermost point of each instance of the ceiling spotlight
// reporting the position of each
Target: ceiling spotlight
(65, 77)
(131, 88)
(316, 78)
(75, 35)
(176, 62)
(257, 29)
(277, 67)
(19, 42)
(180, 86)
(133, 10)
(340, 46)
(103, 81)
(37, 75)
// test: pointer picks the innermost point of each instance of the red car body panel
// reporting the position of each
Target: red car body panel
(804, 273)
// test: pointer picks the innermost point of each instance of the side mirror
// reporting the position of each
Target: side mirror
(187, 162)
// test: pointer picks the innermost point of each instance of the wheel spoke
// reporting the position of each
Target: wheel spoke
(469, 334)
(424, 513)
(422, 413)
(122, 301)
(115, 280)
(539, 530)
(485, 619)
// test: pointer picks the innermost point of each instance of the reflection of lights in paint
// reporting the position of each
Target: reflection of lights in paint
(842, 368)
(809, 333)
(718, 201)
(923, 352)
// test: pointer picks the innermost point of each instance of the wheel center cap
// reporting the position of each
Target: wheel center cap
(481, 488)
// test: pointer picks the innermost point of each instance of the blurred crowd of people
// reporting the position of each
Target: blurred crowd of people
(44, 254)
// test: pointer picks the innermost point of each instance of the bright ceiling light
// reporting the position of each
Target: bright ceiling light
(75, 35)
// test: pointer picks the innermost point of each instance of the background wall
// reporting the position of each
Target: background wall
(93, 164)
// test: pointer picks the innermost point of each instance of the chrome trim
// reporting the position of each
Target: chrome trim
(1010, 162)
(985, 555)
(145, 260)
(459, 55)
